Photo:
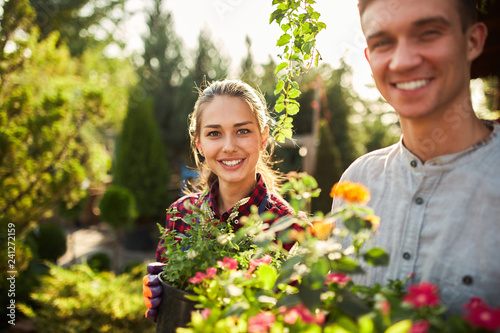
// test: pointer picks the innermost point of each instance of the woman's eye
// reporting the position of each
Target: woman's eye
(243, 131)
(213, 133)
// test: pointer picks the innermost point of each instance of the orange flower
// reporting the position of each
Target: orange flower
(351, 192)
(321, 229)
(374, 220)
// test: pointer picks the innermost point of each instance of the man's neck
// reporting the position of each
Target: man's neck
(444, 134)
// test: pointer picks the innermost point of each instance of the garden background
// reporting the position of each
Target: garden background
(80, 116)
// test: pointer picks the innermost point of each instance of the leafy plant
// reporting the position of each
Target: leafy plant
(81, 300)
(300, 25)
(48, 241)
(205, 242)
(311, 291)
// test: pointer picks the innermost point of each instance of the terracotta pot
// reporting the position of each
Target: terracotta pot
(174, 310)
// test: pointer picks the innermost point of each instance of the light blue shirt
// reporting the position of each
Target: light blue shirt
(439, 220)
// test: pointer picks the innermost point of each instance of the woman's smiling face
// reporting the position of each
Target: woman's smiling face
(231, 141)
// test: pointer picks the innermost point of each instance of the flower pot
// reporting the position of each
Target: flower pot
(174, 310)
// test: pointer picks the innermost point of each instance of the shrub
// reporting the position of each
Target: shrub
(81, 300)
(99, 261)
(118, 207)
(48, 241)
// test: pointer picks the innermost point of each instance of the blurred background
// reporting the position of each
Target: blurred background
(94, 101)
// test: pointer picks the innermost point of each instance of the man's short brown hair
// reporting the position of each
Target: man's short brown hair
(466, 8)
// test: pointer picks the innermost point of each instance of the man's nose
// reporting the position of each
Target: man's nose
(405, 57)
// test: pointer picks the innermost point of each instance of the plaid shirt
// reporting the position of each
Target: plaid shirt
(276, 204)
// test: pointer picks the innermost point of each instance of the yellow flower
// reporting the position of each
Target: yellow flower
(374, 220)
(321, 229)
(351, 192)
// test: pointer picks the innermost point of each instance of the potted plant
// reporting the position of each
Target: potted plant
(193, 254)
(310, 290)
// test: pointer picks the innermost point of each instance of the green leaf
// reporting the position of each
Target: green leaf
(285, 27)
(400, 327)
(293, 93)
(267, 275)
(376, 257)
(280, 67)
(346, 265)
(292, 109)
(283, 40)
(366, 324)
(279, 87)
(279, 107)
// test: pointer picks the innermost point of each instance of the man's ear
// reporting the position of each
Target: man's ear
(367, 54)
(476, 37)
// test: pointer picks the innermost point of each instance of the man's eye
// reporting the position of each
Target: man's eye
(380, 43)
(429, 34)
(243, 131)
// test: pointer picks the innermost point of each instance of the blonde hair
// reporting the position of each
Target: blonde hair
(257, 103)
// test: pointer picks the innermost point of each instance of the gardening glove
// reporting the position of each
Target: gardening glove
(151, 289)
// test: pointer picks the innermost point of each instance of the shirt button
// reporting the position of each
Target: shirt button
(419, 201)
(406, 256)
(236, 221)
(467, 280)
(413, 164)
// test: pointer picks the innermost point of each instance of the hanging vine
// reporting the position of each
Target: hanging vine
(300, 25)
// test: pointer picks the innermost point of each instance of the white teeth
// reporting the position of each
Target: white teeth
(232, 163)
(412, 85)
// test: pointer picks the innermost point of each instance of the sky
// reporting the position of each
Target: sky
(230, 21)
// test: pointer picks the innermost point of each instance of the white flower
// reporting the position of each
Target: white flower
(191, 254)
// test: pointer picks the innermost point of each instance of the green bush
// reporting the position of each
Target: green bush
(141, 164)
(48, 241)
(118, 207)
(99, 262)
(81, 300)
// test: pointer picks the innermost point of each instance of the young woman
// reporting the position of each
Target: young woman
(229, 131)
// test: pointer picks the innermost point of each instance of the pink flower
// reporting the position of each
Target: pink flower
(341, 279)
(261, 322)
(211, 272)
(198, 278)
(300, 311)
(205, 313)
(423, 294)
(420, 327)
(385, 307)
(481, 315)
(231, 264)
(254, 263)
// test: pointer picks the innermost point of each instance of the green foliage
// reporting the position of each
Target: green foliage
(79, 22)
(328, 167)
(81, 300)
(99, 262)
(118, 207)
(48, 241)
(204, 243)
(53, 120)
(300, 25)
(141, 165)
(161, 74)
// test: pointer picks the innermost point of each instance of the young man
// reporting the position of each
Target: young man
(437, 190)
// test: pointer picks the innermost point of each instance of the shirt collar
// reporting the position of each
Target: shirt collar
(255, 196)
(450, 160)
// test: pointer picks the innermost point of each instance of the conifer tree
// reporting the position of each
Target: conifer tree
(141, 165)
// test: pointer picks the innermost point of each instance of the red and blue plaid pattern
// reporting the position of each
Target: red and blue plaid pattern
(276, 204)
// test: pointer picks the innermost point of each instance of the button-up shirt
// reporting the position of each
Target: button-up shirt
(439, 220)
(275, 204)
